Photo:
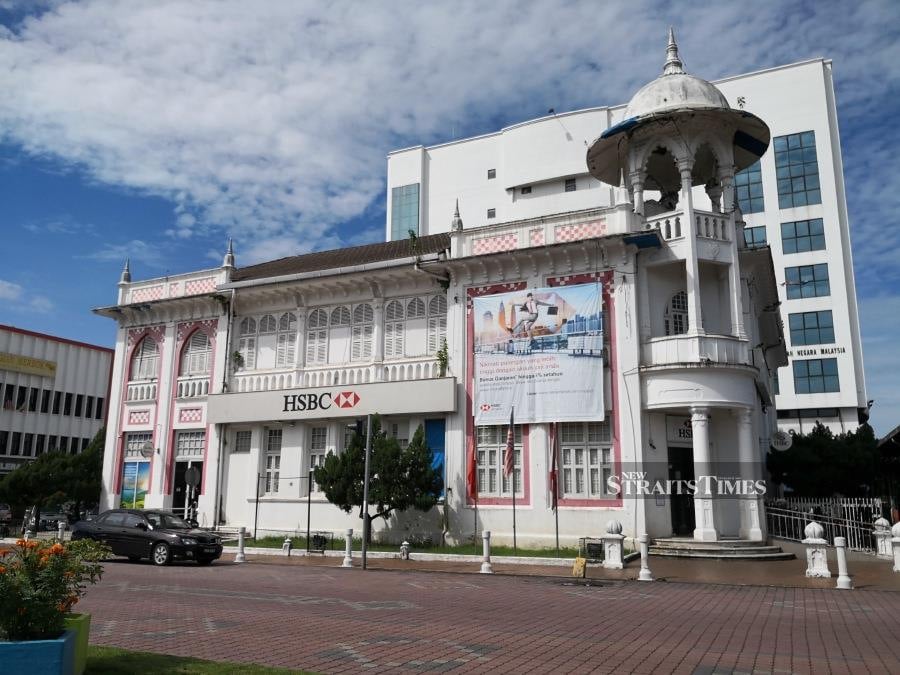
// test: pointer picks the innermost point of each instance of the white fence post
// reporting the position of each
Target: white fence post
(645, 574)
(843, 580)
(895, 542)
(348, 548)
(486, 567)
(816, 551)
(239, 557)
(60, 529)
(882, 532)
(612, 546)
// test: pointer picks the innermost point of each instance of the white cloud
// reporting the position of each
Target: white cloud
(136, 250)
(10, 291)
(14, 297)
(880, 326)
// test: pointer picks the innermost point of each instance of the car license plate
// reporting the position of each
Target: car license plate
(209, 549)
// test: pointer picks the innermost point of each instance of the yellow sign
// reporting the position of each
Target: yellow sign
(26, 364)
(579, 569)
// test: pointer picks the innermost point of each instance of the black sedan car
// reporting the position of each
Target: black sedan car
(157, 535)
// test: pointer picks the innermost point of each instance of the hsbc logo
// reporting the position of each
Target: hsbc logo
(346, 399)
(485, 407)
(310, 402)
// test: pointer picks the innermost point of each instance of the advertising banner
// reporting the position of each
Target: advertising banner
(541, 351)
(135, 483)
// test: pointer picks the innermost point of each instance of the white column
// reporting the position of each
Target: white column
(300, 358)
(637, 191)
(748, 457)
(691, 265)
(704, 514)
(726, 178)
(378, 336)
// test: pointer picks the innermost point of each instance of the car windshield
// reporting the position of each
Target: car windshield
(167, 521)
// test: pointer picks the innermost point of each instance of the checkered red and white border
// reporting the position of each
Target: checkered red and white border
(139, 417)
(147, 294)
(577, 231)
(536, 236)
(495, 244)
(190, 415)
(208, 327)
(158, 333)
(197, 286)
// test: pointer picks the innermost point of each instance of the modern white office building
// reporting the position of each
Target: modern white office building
(54, 392)
(599, 292)
(793, 200)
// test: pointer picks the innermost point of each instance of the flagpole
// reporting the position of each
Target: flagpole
(556, 483)
(512, 433)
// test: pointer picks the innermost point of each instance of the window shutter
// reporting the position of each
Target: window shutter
(356, 344)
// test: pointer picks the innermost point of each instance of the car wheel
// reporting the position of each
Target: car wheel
(134, 558)
(205, 561)
(160, 554)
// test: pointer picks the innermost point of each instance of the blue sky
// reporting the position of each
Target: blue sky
(156, 130)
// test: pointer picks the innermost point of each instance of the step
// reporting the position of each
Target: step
(718, 555)
(726, 550)
(693, 543)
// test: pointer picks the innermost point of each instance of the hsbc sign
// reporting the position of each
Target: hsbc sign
(387, 398)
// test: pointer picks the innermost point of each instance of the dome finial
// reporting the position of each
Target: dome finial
(673, 62)
(126, 273)
(228, 261)
(456, 225)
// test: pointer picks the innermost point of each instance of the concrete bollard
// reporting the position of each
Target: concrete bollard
(895, 543)
(843, 580)
(882, 532)
(816, 551)
(286, 546)
(239, 557)
(404, 551)
(486, 567)
(612, 546)
(60, 530)
(348, 548)
(645, 574)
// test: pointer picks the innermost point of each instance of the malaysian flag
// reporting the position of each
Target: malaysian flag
(509, 455)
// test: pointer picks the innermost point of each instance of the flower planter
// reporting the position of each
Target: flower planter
(80, 624)
(40, 656)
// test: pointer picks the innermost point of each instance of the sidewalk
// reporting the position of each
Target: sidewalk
(870, 574)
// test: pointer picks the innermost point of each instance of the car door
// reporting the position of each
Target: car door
(133, 535)
(107, 529)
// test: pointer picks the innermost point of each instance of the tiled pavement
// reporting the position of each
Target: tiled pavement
(330, 620)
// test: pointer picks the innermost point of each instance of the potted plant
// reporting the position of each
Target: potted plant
(40, 582)
(443, 359)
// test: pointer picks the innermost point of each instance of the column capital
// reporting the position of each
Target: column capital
(699, 412)
(685, 165)
(743, 415)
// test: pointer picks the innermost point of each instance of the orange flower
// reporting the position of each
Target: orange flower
(2, 569)
(20, 542)
(57, 548)
(30, 544)
(44, 560)
(22, 610)
(69, 575)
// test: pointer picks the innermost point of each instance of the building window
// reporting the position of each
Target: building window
(16, 442)
(807, 281)
(317, 337)
(145, 360)
(273, 459)
(22, 399)
(79, 404)
(797, 170)
(45, 401)
(28, 445)
(404, 211)
(749, 190)
(286, 343)
(816, 376)
(84, 443)
(802, 236)
(492, 173)
(811, 328)
(135, 442)
(755, 236)
(67, 407)
(394, 325)
(318, 450)
(98, 413)
(363, 333)
(492, 213)
(242, 440)
(676, 314)
(775, 384)
(33, 399)
(491, 447)
(39, 444)
(586, 459)
(89, 407)
(57, 400)
(197, 355)
(189, 445)
(4, 442)
(437, 323)
(247, 342)
(526, 190)
(570, 185)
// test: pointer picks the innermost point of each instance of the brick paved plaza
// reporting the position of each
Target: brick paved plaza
(329, 620)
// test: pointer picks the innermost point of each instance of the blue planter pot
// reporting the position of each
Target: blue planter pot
(39, 656)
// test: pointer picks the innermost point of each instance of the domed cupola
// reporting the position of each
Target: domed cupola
(679, 98)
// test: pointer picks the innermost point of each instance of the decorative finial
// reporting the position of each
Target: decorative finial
(673, 62)
(456, 225)
(126, 273)
(228, 261)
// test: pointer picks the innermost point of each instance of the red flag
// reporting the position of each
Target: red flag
(472, 473)
(554, 466)
(509, 454)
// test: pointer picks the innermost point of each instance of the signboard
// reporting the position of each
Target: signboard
(679, 430)
(781, 441)
(540, 351)
(135, 483)
(410, 397)
(25, 364)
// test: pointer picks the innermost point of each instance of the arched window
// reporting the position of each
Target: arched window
(676, 314)
(267, 325)
(286, 349)
(340, 316)
(361, 343)
(437, 323)
(393, 329)
(197, 355)
(415, 309)
(145, 360)
(317, 337)
(247, 342)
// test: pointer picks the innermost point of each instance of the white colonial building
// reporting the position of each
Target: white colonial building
(253, 375)
(54, 391)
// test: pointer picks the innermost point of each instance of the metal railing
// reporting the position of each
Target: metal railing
(789, 524)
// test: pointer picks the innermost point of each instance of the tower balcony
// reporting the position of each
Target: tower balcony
(696, 350)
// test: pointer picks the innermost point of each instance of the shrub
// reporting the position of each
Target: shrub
(40, 581)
